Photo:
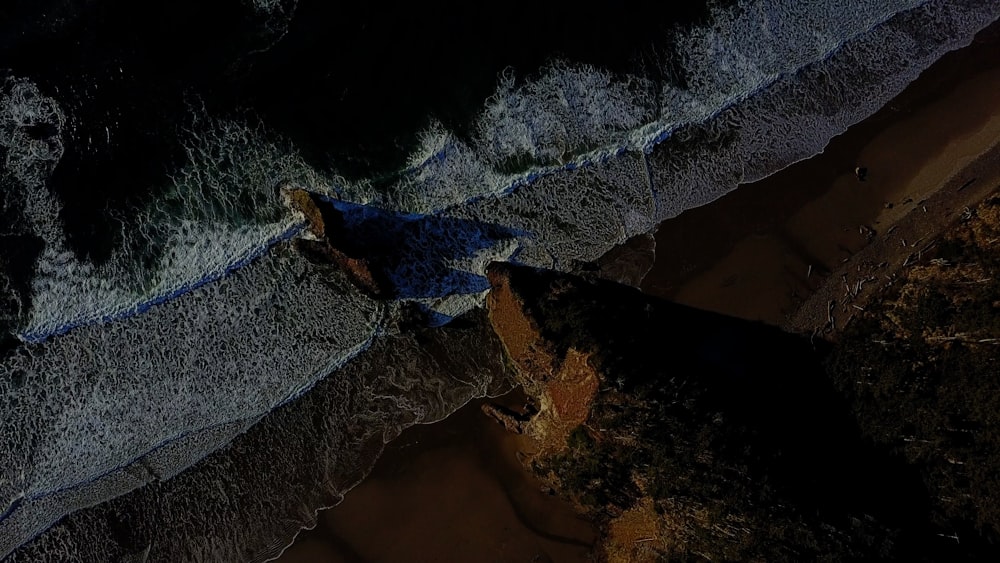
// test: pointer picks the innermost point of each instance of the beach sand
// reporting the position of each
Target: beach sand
(450, 491)
(778, 250)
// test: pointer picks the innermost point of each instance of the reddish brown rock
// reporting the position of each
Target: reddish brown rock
(359, 270)
(302, 201)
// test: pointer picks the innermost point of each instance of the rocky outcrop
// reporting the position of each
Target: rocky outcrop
(563, 386)
(301, 201)
(359, 270)
(320, 244)
(510, 419)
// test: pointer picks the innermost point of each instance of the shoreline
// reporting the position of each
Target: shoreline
(318, 512)
(138, 307)
(461, 474)
(758, 217)
(773, 242)
(916, 232)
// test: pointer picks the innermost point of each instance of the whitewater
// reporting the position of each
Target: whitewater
(137, 369)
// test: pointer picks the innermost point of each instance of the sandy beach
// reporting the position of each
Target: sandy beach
(778, 251)
(451, 491)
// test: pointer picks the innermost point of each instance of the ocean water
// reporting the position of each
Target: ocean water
(166, 336)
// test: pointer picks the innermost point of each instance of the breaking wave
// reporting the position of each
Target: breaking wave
(205, 325)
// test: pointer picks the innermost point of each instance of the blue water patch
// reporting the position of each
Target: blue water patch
(418, 253)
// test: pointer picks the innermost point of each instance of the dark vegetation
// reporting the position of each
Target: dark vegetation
(747, 450)
(923, 379)
(755, 446)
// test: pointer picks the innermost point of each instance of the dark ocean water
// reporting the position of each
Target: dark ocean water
(350, 89)
(152, 314)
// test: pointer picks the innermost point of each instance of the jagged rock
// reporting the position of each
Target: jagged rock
(302, 201)
(320, 244)
(359, 270)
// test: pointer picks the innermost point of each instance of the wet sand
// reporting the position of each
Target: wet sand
(772, 244)
(777, 250)
(451, 491)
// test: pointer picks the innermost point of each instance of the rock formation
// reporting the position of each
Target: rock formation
(325, 243)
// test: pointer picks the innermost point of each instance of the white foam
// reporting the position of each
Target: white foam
(106, 395)
(574, 115)
(222, 210)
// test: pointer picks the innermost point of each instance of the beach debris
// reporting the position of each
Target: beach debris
(861, 172)
(966, 184)
(864, 281)
(951, 537)
(963, 337)
(926, 248)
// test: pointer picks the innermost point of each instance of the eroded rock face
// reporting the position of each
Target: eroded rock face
(685, 433)
(320, 244)
(520, 333)
(300, 200)
(564, 386)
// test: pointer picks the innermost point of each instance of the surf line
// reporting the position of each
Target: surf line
(645, 138)
(37, 336)
(336, 362)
